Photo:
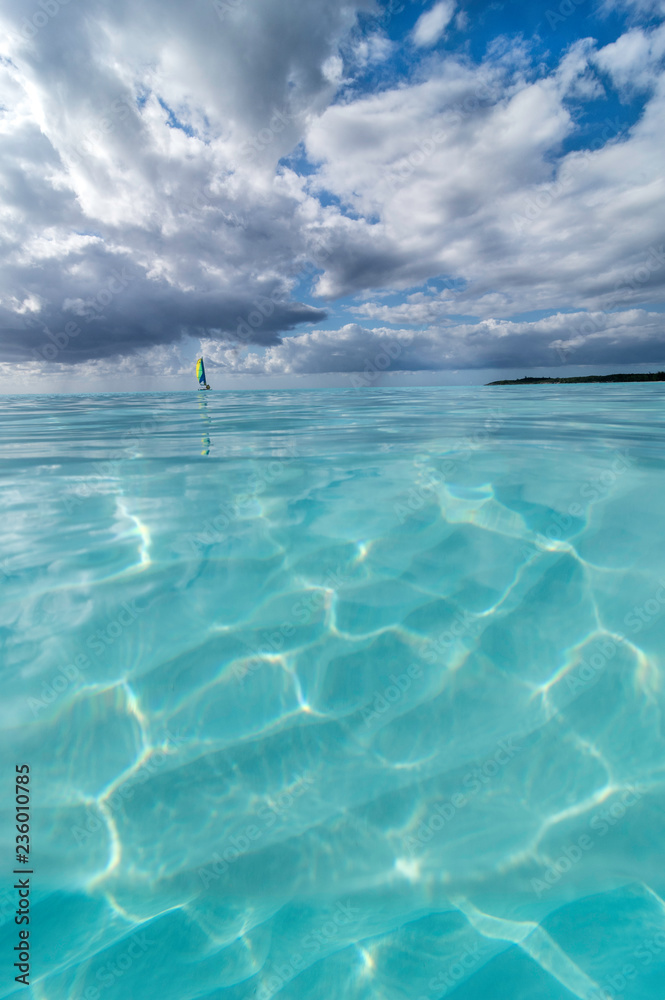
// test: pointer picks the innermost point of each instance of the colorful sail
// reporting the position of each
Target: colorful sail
(200, 372)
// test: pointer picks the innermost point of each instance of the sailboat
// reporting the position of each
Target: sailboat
(201, 375)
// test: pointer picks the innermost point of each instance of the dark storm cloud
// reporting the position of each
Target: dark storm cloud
(121, 319)
(137, 171)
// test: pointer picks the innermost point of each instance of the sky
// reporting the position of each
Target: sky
(326, 193)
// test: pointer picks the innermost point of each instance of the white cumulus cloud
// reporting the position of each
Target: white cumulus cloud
(431, 25)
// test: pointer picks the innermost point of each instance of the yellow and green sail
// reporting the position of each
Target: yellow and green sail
(200, 372)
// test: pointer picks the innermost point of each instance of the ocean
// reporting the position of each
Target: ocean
(335, 694)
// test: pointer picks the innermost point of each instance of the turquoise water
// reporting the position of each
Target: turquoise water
(337, 694)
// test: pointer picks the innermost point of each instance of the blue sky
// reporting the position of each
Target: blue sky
(421, 192)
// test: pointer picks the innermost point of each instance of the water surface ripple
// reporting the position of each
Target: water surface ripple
(338, 694)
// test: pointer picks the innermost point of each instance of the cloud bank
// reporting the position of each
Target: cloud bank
(222, 175)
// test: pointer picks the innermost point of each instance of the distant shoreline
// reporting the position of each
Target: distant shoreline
(527, 380)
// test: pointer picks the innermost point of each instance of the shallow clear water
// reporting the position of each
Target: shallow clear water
(337, 694)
